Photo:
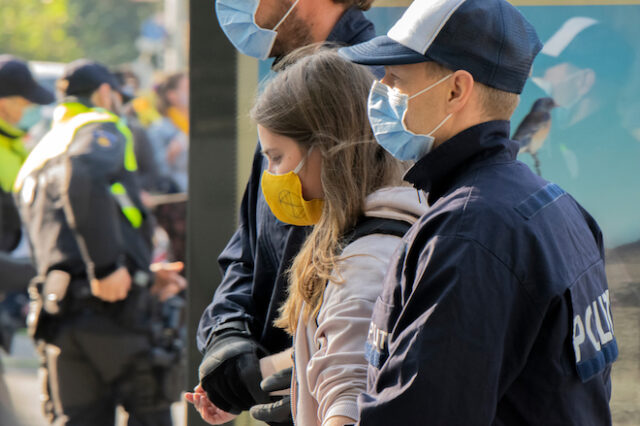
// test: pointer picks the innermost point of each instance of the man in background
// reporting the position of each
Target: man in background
(256, 259)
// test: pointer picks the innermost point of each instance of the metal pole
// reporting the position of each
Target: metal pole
(212, 188)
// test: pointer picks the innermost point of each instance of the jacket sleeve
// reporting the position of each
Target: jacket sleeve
(232, 300)
(96, 159)
(337, 370)
(454, 328)
(10, 225)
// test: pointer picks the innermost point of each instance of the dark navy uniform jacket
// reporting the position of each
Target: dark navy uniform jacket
(16, 273)
(497, 311)
(256, 258)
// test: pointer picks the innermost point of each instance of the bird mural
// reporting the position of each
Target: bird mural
(534, 129)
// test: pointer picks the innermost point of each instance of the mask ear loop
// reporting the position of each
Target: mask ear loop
(420, 93)
(285, 15)
(440, 125)
(301, 163)
(431, 87)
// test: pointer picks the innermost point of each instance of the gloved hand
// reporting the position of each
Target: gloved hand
(230, 370)
(277, 413)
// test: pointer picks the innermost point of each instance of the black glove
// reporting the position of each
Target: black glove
(230, 370)
(277, 413)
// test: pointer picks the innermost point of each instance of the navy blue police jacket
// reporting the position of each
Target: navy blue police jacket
(255, 261)
(497, 311)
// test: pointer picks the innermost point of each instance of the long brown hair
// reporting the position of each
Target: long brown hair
(321, 101)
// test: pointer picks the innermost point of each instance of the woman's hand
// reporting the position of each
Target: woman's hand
(209, 412)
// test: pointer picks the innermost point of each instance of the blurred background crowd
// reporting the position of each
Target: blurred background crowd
(144, 44)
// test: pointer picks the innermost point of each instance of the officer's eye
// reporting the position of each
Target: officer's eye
(391, 79)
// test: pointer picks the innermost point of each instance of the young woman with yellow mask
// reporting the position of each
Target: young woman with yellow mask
(325, 169)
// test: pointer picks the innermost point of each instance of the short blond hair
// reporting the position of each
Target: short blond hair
(497, 104)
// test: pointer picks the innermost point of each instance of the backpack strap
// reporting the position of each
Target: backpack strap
(373, 225)
(376, 225)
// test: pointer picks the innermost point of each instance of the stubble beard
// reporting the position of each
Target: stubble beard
(293, 33)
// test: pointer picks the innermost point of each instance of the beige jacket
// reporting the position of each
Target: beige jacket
(331, 370)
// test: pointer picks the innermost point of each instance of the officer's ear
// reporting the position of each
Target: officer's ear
(101, 97)
(460, 87)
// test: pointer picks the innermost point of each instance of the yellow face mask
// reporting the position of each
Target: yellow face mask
(283, 194)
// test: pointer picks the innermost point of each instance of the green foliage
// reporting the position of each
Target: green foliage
(64, 30)
(36, 29)
(106, 30)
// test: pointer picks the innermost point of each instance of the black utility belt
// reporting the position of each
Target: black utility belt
(62, 292)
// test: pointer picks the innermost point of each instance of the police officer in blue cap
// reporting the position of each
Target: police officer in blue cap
(497, 310)
(18, 90)
(78, 196)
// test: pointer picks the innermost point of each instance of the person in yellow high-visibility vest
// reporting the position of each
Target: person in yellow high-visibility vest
(79, 199)
(18, 90)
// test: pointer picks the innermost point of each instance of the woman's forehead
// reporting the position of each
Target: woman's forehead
(271, 140)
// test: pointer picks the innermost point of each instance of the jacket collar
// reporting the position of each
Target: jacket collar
(352, 28)
(436, 172)
(9, 131)
(81, 102)
(72, 106)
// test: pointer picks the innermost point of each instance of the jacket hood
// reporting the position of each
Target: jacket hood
(397, 202)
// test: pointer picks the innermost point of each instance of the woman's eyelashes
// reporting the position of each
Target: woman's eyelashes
(272, 158)
(276, 160)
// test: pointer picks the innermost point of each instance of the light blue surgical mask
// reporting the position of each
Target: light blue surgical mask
(30, 117)
(387, 108)
(238, 21)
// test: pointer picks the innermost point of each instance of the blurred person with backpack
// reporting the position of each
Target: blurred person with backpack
(94, 300)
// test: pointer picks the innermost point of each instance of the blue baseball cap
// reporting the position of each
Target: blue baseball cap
(16, 80)
(488, 38)
(84, 77)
